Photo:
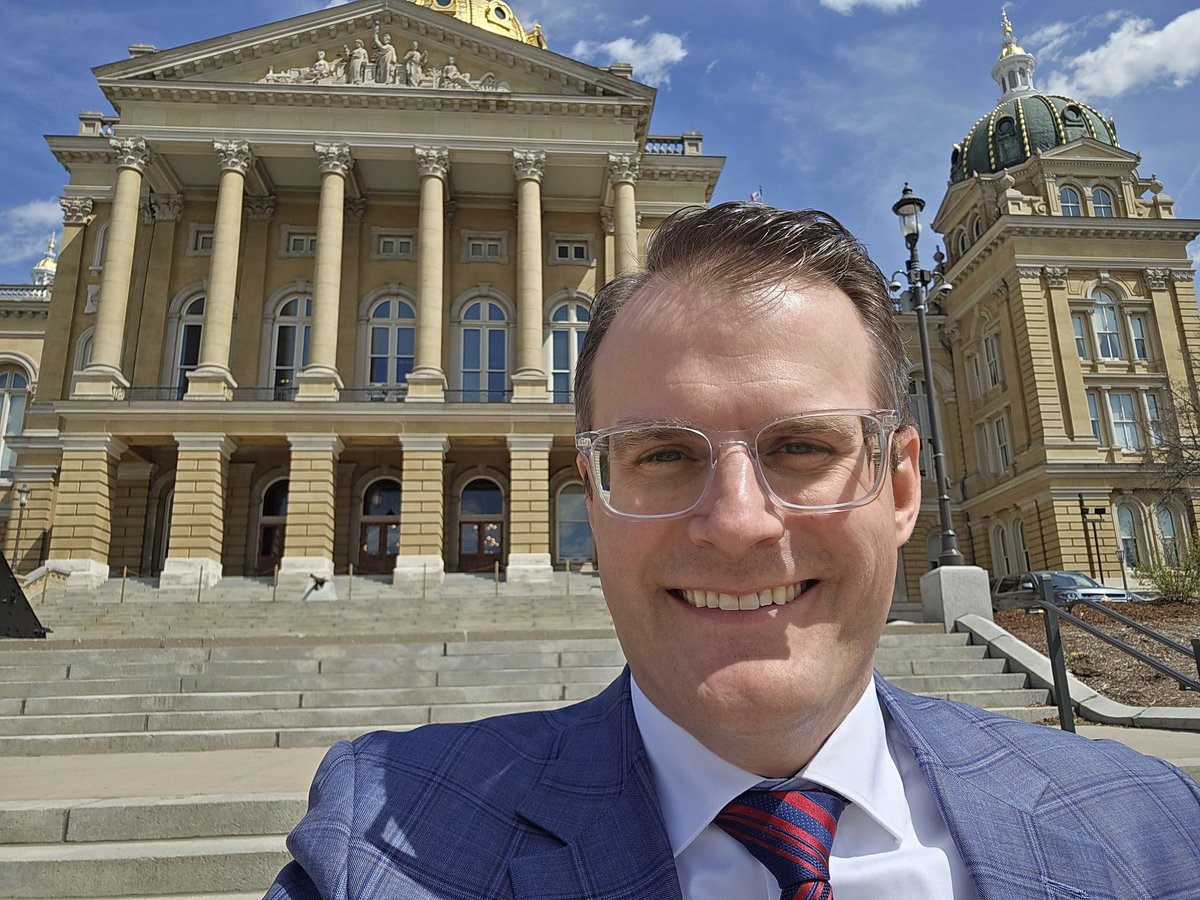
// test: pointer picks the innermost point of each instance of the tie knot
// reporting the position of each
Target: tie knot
(789, 832)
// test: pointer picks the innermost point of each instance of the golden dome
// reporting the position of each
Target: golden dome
(490, 15)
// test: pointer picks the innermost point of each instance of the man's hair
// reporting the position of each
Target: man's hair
(746, 249)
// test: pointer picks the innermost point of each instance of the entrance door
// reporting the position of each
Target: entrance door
(481, 526)
(272, 524)
(379, 534)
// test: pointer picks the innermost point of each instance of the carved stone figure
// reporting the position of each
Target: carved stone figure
(385, 58)
(452, 77)
(414, 63)
(320, 69)
(356, 63)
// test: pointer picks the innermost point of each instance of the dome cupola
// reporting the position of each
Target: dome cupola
(1025, 121)
(490, 15)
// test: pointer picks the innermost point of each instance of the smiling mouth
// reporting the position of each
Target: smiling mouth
(777, 596)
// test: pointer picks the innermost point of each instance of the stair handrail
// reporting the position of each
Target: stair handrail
(1054, 612)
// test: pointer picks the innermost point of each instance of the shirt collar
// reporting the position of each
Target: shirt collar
(694, 784)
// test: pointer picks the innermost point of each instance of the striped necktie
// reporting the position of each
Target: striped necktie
(790, 833)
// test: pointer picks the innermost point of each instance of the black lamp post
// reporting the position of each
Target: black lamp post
(22, 502)
(920, 282)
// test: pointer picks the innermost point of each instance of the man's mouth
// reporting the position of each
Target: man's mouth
(776, 596)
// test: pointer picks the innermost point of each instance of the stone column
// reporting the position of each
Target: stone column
(427, 381)
(608, 226)
(148, 305)
(529, 509)
(623, 169)
(57, 354)
(103, 379)
(308, 540)
(422, 512)
(529, 379)
(212, 378)
(198, 511)
(80, 541)
(1059, 351)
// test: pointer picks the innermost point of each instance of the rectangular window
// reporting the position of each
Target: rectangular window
(1153, 419)
(974, 375)
(485, 246)
(298, 242)
(484, 250)
(1080, 327)
(200, 240)
(991, 350)
(1137, 332)
(1002, 454)
(1108, 339)
(983, 455)
(572, 251)
(394, 245)
(1094, 415)
(1124, 421)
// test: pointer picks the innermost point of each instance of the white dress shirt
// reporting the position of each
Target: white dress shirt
(890, 842)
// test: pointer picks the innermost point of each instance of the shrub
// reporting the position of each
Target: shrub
(1177, 583)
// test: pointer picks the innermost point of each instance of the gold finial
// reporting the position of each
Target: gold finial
(50, 246)
(1007, 24)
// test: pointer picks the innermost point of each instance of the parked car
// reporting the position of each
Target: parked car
(1022, 591)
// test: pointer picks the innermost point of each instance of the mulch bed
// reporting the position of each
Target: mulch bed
(1110, 671)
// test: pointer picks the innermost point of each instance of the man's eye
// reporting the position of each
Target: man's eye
(800, 448)
(666, 455)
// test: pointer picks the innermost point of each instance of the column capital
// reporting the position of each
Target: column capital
(624, 167)
(76, 210)
(316, 443)
(162, 208)
(206, 442)
(233, 156)
(131, 153)
(606, 220)
(427, 443)
(1156, 279)
(1056, 276)
(334, 158)
(259, 209)
(539, 443)
(433, 161)
(529, 164)
(1183, 276)
(356, 209)
(106, 443)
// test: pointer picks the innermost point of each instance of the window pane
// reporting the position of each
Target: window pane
(383, 310)
(495, 313)
(561, 348)
(482, 498)
(470, 348)
(379, 367)
(379, 341)
(405, 341)
(189, 351)
(496, 347)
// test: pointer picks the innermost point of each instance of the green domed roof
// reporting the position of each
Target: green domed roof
(1022, 125)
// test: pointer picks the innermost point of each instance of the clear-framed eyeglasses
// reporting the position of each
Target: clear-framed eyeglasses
(815, 462)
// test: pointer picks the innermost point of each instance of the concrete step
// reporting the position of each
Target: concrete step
(137, 868)
(984, 681)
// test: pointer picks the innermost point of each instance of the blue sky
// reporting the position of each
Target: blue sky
(826, 103)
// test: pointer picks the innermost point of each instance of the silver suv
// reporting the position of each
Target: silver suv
(1022, 591)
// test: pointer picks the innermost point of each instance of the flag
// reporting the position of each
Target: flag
(756, 196)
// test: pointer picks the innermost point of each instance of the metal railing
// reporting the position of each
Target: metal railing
(1058, 667)
(478, 396)
(373, 395)
(173, 392)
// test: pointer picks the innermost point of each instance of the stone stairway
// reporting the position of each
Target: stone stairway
(177, 675)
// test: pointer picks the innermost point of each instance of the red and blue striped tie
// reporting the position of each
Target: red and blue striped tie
(790, 833)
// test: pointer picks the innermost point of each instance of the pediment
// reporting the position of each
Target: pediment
(343, 50)
(1088, 150)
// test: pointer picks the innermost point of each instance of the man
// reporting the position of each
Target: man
(750, 473)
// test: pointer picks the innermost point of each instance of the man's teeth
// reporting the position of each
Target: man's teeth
(777, 596)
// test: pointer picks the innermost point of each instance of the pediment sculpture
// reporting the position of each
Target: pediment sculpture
(354, 65)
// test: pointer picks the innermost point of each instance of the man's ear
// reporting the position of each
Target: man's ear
(906, 481)
(582, 466)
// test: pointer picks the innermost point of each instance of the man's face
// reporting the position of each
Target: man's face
(701, 358)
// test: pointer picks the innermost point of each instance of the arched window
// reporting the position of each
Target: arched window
(14, 394)
(293, 327)
(1073, 123)
(480, 525)
(1168, 534)
(101, 246)
(191, 328)
(379, 532)
(918, 404)
(1008, 147)
(964, 243)
(272, 525)
(977, 228)
(484, 346)
(1001, 561)
(573, 534)
(1019, 547)
(1104, 320)
(1102, 203)
(1069, 198)
(568, 325)
(391, 337)
(1127, 532)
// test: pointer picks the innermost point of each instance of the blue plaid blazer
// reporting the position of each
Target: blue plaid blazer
(560, 806)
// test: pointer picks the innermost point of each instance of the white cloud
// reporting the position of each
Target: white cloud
(638, 23)
(1135, 55)
(651, 59)
(25, 229)
(845, 7)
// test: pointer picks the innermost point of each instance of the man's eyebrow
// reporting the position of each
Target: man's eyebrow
(666, 422)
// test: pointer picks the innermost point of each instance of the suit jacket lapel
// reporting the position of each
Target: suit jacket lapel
(599, 801)
(989, 798)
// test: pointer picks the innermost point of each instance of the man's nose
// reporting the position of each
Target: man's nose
(737, 513)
